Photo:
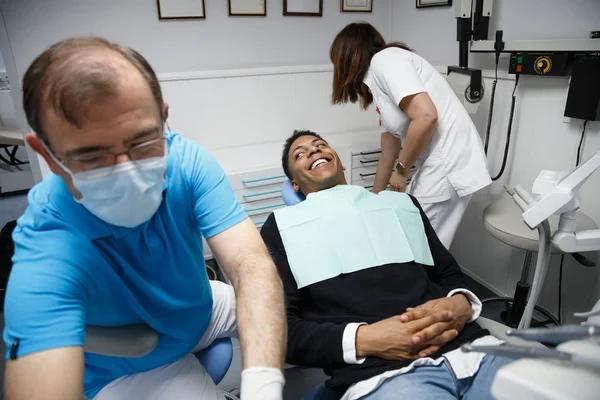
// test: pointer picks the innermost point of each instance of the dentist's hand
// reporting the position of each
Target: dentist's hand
(398, 181)
(458, 306)
(392, 339)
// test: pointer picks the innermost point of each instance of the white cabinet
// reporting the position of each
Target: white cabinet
(364, 166)
(259, 192)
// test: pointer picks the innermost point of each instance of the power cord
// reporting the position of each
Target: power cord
(509, 131)
(11, 154)
(498, 46)
(560, 274)
(491, 112)
(580, 144)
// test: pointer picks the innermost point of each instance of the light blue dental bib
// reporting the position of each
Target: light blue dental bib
(347, 229)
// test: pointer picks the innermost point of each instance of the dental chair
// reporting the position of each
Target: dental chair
(321, 392)
(139, 340)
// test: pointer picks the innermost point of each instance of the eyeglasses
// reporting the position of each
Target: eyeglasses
(149, 149)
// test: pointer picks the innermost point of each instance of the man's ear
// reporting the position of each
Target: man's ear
(295, 186)
(36, 144)
(166, 110)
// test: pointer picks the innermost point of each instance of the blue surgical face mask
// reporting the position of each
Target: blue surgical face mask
(126, 194)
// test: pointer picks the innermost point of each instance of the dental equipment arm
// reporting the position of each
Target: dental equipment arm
(557, 334)
(536, 352)
(563, 198)
(523, 200)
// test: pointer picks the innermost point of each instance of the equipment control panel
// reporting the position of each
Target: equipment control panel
(538, 64)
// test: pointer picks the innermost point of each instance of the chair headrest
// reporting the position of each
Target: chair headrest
(290, 196)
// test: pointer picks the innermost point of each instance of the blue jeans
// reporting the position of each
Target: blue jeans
(440, 383)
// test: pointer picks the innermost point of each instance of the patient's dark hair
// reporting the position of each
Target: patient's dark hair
(285, 156)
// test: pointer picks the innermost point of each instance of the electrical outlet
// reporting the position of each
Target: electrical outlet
(595, 35)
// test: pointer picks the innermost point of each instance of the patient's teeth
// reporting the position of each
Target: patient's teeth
(318, 162)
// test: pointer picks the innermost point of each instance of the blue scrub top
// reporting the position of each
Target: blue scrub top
(72, 269)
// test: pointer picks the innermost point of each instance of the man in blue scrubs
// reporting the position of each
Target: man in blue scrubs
(113, 237)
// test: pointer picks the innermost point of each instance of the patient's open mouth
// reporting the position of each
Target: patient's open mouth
(320, 161)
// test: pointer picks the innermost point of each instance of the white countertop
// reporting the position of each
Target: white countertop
(11, 137)
(268, 155)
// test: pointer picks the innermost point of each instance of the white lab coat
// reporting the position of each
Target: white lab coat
(454, 157)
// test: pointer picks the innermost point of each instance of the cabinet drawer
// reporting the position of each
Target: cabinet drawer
(257, 179)
(263, 206)
(259, 220)
(365, 158)
(366, 183)
(255, 194)
(364, 173)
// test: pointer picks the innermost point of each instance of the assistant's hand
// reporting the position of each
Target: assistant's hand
(391, 338)
(458, 306)
(398, 181)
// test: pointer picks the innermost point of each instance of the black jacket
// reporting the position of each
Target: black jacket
(318, 314)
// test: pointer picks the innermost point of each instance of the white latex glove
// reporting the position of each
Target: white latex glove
(262, 383)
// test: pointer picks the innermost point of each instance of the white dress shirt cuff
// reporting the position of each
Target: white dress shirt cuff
(474, 300)
(349, 343)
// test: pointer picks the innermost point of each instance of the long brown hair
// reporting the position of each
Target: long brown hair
(351, 53)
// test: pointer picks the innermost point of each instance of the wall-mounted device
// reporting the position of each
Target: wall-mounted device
(533, 57)
(583, 100)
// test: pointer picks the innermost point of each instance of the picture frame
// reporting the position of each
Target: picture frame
(303, 8)
(433, 3)
(356, 6)
(181, 9)
(247, 8)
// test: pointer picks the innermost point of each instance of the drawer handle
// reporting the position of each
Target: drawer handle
(265, 207)
(368, 162)
(262, 179)
(368, 153)
(260, 194)
(365, 175)
(371, 187)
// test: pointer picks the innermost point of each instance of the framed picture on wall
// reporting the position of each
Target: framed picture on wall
(181, 9)
(356, 6)
(247, 8)
(303, 8)
(433, 3)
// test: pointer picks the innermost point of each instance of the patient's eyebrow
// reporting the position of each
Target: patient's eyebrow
(303, 146)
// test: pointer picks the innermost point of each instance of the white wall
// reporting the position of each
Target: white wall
(218, 42)
(541, 140)
(432, 32)
(216, 111)
(2, 67)
(258, 107)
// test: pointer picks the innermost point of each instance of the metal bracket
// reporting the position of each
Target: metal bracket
(475, 89)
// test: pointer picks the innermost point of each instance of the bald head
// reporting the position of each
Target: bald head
(75, 73)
